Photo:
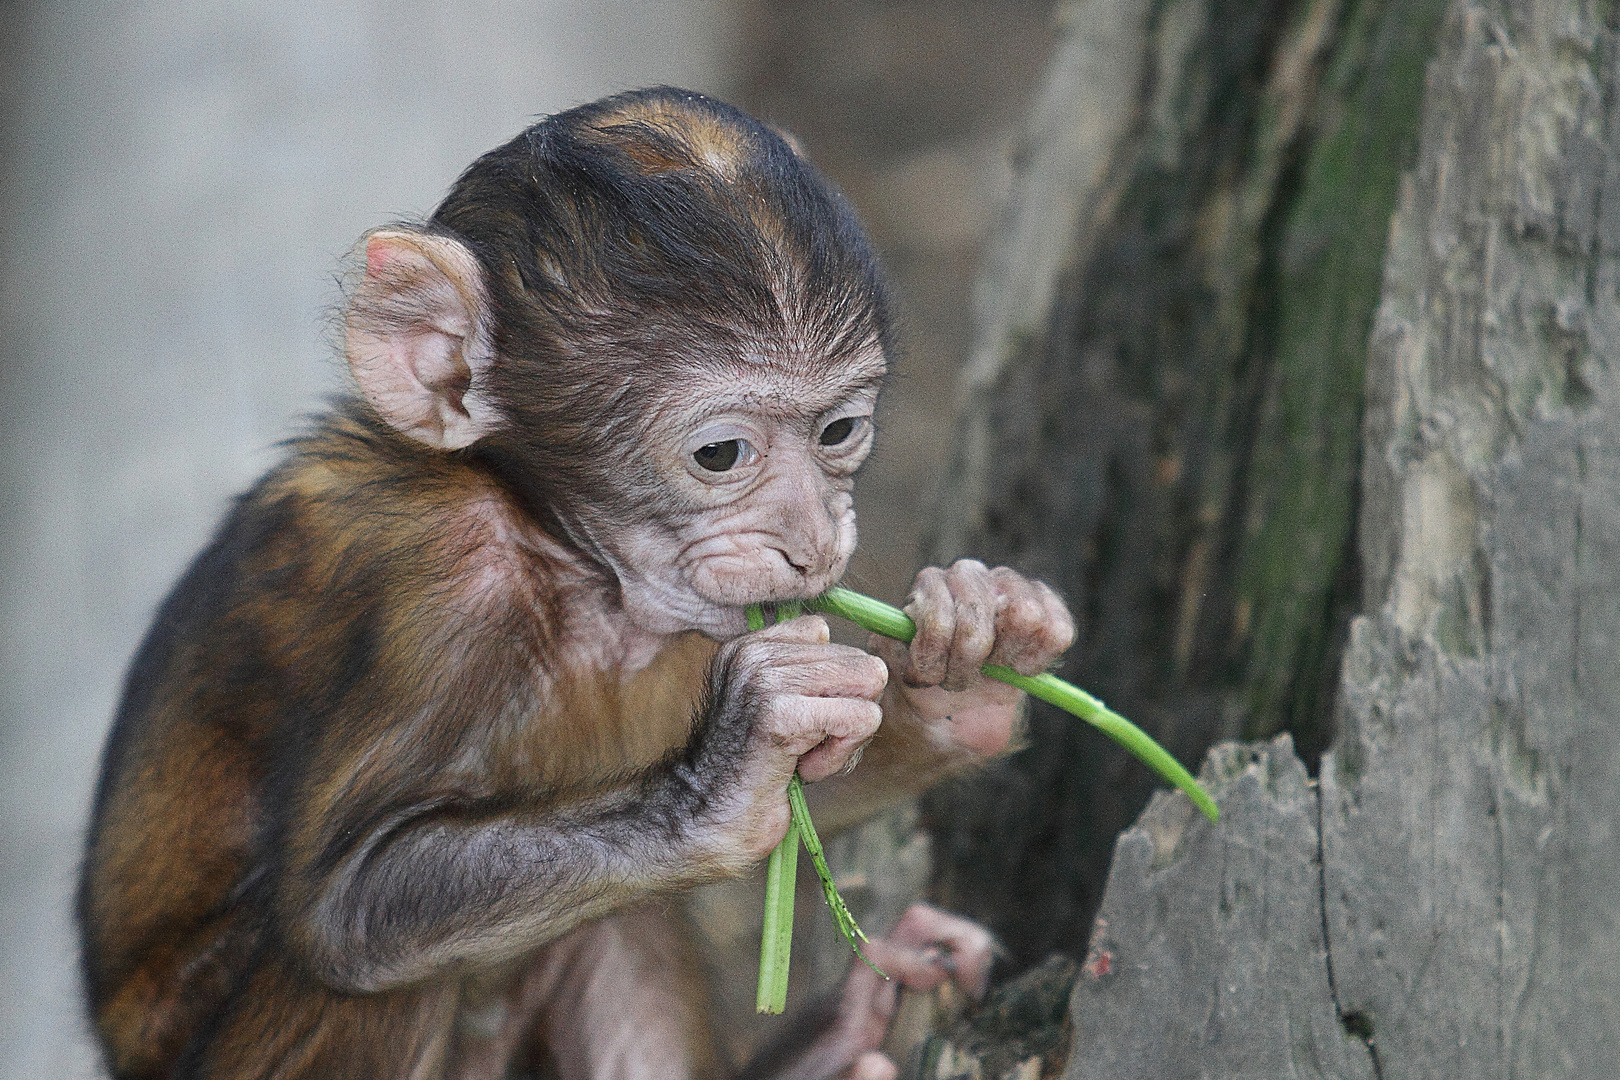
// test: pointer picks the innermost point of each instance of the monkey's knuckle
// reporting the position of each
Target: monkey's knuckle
(1064, 633)
(877, 676)
(758, 664)
(965, 567)
(769, 682)
(752, 651)
(1026, 615)
(1007, 578)
(800, 727)
(978, 623)
(781, 738)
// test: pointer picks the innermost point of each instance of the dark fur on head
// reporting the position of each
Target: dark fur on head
(651, 232)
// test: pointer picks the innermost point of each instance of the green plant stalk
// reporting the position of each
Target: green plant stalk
(776, 937)
(891, 622)
(776, 940)
(776, 934)
(812, 843)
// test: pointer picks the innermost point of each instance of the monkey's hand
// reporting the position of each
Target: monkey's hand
(782, 698)
(928, 947)
(968, 616)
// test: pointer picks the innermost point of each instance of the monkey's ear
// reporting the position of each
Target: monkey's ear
(788, 137)
(417, 337)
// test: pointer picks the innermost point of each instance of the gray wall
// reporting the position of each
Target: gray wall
(180, 182)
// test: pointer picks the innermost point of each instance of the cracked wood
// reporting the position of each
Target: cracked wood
(1463, 923)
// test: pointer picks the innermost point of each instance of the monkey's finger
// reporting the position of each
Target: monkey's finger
(1033, 625)
(830, 756)
(873, 1066)
(914, 967)
(970, 948)
(799, 724)
(839, 671)
(1059, 620)
(805, 628)
(974, 595)
(934, 612)
(848, 726)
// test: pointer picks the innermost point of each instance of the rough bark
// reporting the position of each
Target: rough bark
(1162, 412)
(1464, 918)
(1209, 957)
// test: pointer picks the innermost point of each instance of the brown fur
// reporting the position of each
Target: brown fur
(175, 865)
(411, 751)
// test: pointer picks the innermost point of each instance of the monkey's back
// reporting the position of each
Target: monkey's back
(322, 622)
(166, 905)
(274, 620)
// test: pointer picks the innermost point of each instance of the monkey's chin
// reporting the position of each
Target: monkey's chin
(730, 603)
(663, 611)
(710, 596)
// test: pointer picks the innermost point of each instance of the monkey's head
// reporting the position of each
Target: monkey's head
(663, 328)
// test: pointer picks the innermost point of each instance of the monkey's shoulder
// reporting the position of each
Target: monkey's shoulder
(368, 574)
(357, 498)
(356, 557)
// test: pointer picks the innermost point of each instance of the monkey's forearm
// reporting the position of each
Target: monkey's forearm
(453, 885)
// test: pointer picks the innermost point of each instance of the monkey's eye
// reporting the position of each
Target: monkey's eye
(839, 431)
(720, 456)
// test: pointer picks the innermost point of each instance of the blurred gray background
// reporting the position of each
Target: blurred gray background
(180, 182)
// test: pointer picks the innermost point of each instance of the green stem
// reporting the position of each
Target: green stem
(776, 935)
(891, 622)
(812, 843)
(776, 941)
(776, 938)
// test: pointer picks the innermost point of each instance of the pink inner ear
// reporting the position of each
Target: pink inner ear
(379, 253)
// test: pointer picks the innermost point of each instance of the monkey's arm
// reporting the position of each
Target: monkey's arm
(393, 880)
(940, 715)
(480, 881)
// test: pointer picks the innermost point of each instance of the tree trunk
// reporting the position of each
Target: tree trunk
(1443, 902)
(1162, 413)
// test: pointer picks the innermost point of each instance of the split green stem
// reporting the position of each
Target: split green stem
(776, 937)
(880, 618)
(891, 622)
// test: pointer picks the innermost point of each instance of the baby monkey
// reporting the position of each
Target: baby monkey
(463, 686)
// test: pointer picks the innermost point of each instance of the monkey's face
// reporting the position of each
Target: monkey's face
(660, 325)
(704, 480)
(752, 475)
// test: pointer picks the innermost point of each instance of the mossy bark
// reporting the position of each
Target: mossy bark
(1163, 414)
(1462, 918)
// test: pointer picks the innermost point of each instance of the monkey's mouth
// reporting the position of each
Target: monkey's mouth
(772, 608)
